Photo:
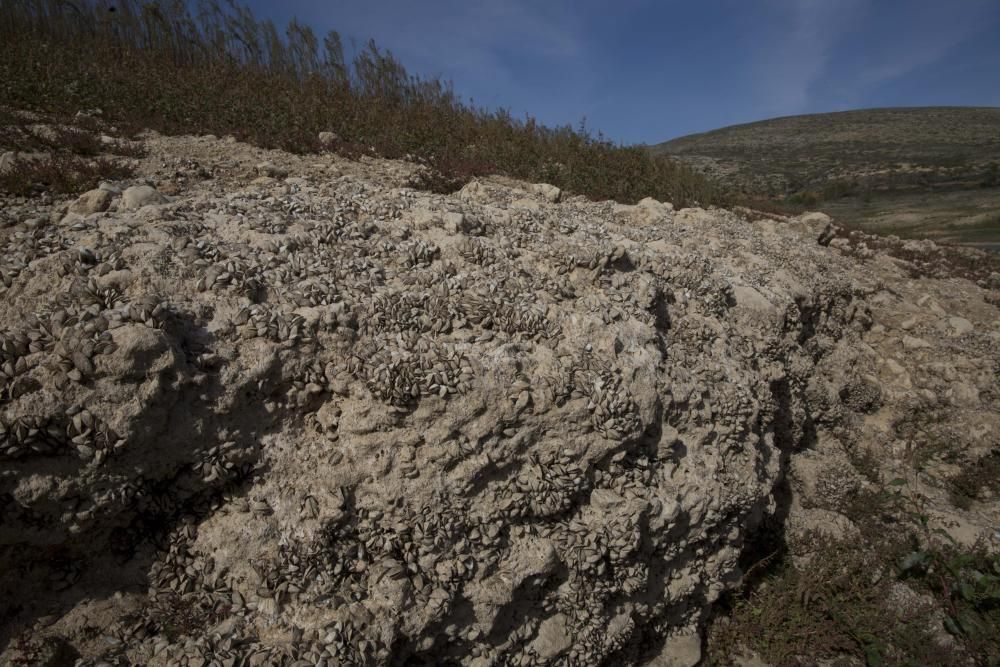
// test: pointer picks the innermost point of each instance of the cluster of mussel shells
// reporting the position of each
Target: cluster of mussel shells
(542, 489)
(231, 274)
(220, 463)
(418, 254)
(75, 430)
(269, 322)
(614, 413)
(10, 270)
(477, 251)
(86, 261)
(23, 247)
(315, 292)
(401, 369)
(74, 359)
(393, 311)
(14, 346)
(104, 297)
(494, 311)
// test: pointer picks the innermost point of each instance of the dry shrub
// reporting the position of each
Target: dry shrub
(221, 71)
(62, 173)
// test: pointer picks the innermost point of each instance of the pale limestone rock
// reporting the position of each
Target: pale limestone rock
(526, 204)
(92, 201)
(680, 650)
(423, 218)
(913, 343)
(551, 193)
(692, 216)
(816, 219)
(138, 196)
(964, 395)
(647, 212)
(271, 169)
(655, 205)
(820, 226)
(455, 223)
(553, 637)
(473, 191)
(960, 326)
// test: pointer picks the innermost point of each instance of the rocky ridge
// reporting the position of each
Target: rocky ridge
(258, 408)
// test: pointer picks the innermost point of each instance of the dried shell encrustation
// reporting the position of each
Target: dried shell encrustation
(77, 430)
(400, 369)
(265, 321)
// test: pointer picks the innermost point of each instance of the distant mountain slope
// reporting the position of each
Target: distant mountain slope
(848, 160)
(809, 151)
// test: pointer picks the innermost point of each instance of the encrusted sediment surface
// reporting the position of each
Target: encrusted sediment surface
(319, 417)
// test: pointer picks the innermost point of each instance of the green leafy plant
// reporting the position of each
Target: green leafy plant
(965, 487)
(965, 581)
(803, 198)
(891, 595)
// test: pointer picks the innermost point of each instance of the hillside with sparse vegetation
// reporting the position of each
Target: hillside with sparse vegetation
(924, 172)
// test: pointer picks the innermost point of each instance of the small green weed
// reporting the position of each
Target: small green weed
(966, 486)
(966, 582)
(899, 593)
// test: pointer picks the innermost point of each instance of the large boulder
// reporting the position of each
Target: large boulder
(358, 424)
(455, 435)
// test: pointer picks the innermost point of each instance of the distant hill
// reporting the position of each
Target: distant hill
(867, 165)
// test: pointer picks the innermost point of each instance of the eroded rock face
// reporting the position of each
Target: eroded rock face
(333, 418)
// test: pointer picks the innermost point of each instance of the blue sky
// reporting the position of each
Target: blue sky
(643, 71)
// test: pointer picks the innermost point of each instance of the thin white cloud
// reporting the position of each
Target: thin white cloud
(796, 56)
(926, 33)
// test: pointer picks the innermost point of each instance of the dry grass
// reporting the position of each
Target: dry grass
(60, 173)
(976, 477)
(940, 261)
(221, 71)
(59, 154)
(841, 605)
(929, 167)
(902, 594)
